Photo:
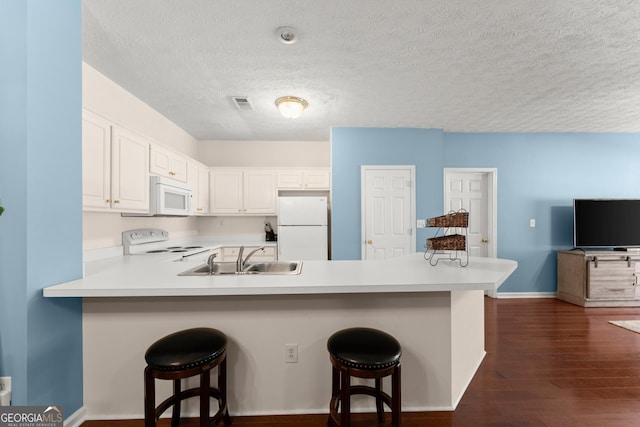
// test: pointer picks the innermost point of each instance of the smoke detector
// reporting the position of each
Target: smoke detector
(287, 35)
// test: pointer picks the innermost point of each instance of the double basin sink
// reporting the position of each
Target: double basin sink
(220, 268)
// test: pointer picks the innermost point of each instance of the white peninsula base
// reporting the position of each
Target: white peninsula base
(442, 336)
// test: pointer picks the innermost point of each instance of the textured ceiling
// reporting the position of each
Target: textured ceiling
(459, 65)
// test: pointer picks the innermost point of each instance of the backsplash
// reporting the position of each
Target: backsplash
(226, 226)
(104, 229)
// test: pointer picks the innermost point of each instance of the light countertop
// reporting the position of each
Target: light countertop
(157, 276)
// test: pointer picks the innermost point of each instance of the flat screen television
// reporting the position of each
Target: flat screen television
(606, 223)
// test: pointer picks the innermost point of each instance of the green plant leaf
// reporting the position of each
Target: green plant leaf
(1, 210)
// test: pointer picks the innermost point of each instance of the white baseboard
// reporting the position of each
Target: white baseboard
(77, 418)
(526, 295)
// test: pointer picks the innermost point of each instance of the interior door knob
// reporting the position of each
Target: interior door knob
(369, 242)
(485, 240)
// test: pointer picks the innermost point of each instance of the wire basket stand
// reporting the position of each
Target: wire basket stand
(450, 244)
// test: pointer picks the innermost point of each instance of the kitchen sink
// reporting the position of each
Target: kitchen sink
(218, 268)
(275, 267)
(222, 268)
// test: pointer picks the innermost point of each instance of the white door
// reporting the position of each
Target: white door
(474, 191)
(388, 211)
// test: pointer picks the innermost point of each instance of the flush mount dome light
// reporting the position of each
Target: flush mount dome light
(291, 107)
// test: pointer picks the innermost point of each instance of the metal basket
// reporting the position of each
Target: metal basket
(451, 242)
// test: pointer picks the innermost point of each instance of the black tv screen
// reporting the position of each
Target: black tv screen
(606, 223)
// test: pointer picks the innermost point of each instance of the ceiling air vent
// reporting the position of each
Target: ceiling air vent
(243, 103)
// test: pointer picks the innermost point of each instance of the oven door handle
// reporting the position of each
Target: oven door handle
(184, 257)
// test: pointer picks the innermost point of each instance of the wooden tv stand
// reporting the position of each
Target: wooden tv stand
(599, 278)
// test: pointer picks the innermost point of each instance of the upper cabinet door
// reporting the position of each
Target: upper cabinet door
(304, 179)
(317, 179)
(198, 179)
(167, 163)
(129, 171)
(225, 191)
(96, 162)
(290, 179)
(259, 192)
(202, 198)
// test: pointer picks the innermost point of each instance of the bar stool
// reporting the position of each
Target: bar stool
(182, 355)
(363, 353)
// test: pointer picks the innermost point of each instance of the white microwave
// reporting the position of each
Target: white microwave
(168, 197)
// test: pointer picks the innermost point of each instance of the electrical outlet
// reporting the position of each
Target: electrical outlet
(5, 382)
(291, 353)
(422, 223)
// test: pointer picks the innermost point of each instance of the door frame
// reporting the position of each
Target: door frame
(492, 202)
(412, 174)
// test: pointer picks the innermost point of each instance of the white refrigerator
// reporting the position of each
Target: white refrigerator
(302, 228)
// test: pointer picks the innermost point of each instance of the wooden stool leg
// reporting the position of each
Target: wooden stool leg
(149, 399)
(396, 402)
(222, 388)
(345, 398)
(175, 417)
(379, 403)
(205, 396)
(335, 385)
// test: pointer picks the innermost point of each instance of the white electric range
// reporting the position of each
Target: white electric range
(149, 241)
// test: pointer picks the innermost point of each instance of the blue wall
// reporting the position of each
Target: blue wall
(40, 188)
(539, 175)
(353, 147)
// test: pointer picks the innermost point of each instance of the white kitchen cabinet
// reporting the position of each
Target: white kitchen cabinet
(198, 179)
(129, 171)
(230, 253)
(115, 167)
(242, 192)
(165, 162)
(304, 179)
(96, 162)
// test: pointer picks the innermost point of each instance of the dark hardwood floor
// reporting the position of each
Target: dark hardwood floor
(548, 363)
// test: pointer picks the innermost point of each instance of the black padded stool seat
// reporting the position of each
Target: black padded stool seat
(363, 353)
(182, 355)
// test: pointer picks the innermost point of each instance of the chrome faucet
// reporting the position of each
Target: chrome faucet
(210, 262)
(240, 262)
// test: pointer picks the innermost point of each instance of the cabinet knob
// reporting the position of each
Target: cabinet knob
(116, 201)
(199, 209)
(108, 201)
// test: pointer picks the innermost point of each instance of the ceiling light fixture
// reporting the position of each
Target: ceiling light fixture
(291, 107)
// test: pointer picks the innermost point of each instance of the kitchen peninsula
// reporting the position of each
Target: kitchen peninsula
(436, 312)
